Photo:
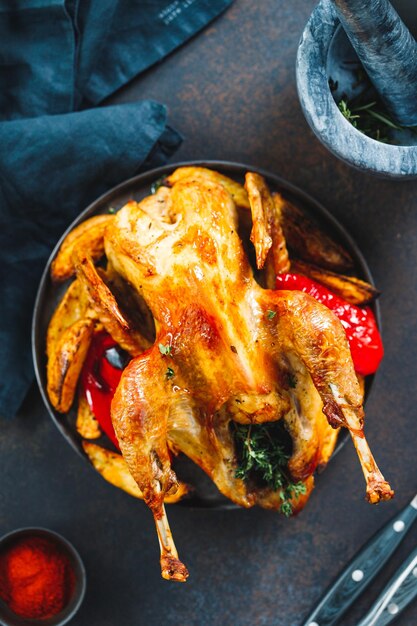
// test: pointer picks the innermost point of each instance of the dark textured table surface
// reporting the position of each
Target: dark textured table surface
(231, 92)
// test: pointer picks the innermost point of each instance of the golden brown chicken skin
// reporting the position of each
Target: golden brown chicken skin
(233, 347)
(227, 352)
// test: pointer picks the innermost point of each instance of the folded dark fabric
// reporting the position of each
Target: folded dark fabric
(135, 35)
(48, 174)
(58, 57)
(62, 55)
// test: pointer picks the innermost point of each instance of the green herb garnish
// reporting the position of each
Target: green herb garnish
(271, 314)
(165, 350)
(263, 452)
(112, 210)
(366, 111)
(169, 373)
(347, 113)
(371, 119)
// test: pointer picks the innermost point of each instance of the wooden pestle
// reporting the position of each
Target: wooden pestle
(388, 52)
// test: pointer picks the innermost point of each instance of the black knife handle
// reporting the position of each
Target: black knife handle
(397, 595)
(363, 568)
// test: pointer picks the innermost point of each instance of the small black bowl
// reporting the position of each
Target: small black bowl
(8, 618)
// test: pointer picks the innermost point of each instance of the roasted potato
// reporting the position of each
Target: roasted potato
(87, 236)
(351, 289)
(113, 468)
(308, 241)
(66, 362)
(73, 307)
(87, 426)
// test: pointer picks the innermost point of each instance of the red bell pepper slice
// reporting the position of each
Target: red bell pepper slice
(99, 380)
(359, 322)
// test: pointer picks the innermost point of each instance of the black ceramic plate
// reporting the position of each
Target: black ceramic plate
(205, 494)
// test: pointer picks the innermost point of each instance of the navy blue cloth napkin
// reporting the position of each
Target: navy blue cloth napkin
(59, 58)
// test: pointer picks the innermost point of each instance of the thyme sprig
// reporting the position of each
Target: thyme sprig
(263, 456)
(371, 119)
(165, 350)
(366, 111)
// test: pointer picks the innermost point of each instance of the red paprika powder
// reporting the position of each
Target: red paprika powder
(36, 577)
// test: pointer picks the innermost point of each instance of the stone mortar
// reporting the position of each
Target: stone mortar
(320, 42)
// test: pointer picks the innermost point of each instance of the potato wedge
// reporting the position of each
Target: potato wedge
(236, 190)
(73, 307)
(113, 468)
(66, 362)
(308, 241)
(87, 426)
(351, 289)
(89, 237)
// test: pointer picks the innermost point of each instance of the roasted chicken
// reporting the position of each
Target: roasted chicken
(211, 348)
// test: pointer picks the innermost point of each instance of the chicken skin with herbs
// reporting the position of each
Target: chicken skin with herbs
(231, 371)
